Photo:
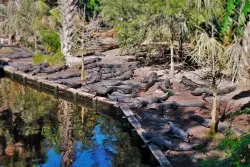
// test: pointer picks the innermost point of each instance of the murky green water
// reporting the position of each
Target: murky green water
(39, 130)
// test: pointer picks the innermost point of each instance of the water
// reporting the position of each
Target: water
(39, 130)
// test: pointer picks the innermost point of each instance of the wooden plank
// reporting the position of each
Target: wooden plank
(126, 110)
(134, 122)
(158, 154)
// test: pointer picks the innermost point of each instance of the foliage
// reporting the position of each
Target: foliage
(237, 152)
(241, 112)
(51, 133)
(234, 20)
(92, 7)
(56, 59)
(51, 40)
(25, 16)
(209, 53)
(158, 20)
(130, 16)
(56, 14)
(32, 105)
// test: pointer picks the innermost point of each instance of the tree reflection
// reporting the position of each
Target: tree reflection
(66, 134)
(40, 130)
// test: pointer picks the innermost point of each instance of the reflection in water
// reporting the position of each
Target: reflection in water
(38, 130)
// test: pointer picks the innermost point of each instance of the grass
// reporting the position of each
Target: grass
(56, 60)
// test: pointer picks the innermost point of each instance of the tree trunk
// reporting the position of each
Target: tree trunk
(83, 72)
(66, 133)
(172, 73)
(35, 38)
(213, 112)
(68, 8)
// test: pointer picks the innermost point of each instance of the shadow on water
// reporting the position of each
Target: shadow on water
(38, 130)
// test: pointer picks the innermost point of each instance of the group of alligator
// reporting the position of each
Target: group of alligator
(116, 83)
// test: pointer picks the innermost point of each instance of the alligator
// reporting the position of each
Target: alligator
(139, 102)
(133, 95)
(110, 83)
(37, 69)
(127, 89)
(92, 60)
(110, 65)
(222, 127)
(71, 84)
(108, 86)
(64, 76)
(208, 92)
(107, 70)
(174, 105)
(151, 100)
(53, 70)
(125, 76)
(95, 78)
(168, 145)
(149, 81)
(177, 132)
(190, 84)
(118, 72)
(165, 85)
(18, 55)
(107, 76)
(103, 91)
(162, 107)
(153, 118)
(114, 73)
(42, 68)
(90, 66)
(152, 76)
(120, 99)
(22, 66)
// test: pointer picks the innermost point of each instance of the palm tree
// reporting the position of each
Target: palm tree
(209, 53)
(238, 57)
(68, 9)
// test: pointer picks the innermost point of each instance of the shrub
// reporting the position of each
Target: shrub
(51, 40)
(237, 152)
(57, 59)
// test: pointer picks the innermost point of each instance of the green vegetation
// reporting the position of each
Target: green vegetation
(234, 19)
(237, 152)
(92, 8)
(50, 40)
(52, 44)
(56, 59)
